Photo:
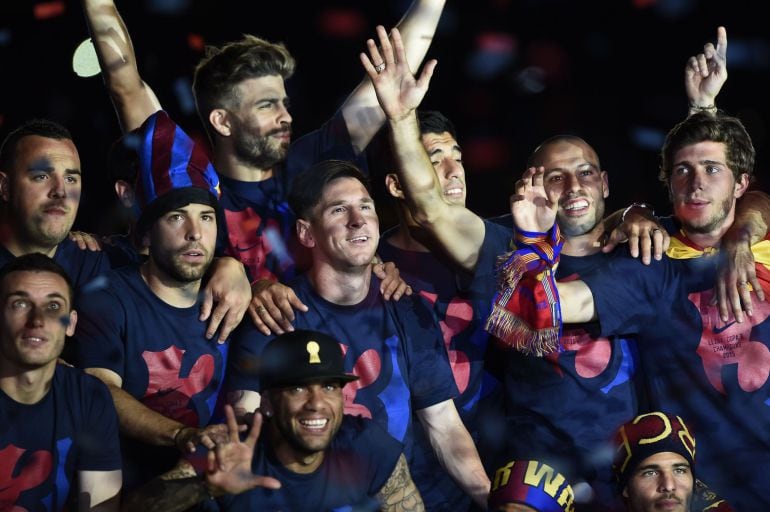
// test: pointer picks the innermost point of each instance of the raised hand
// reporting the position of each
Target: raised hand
(706, 73)
(397, 90)
(229, 465)
(530, 206)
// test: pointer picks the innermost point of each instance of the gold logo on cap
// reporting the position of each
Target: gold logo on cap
(313, 348)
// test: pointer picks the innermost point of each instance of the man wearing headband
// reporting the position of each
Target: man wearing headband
(140, 330)
(654, 465)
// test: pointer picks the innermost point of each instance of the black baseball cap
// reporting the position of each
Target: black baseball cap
(302, 356)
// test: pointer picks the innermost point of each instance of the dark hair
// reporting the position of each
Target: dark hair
(123, 159)
(433, 121)
(564, 137)
(223, 68)
(705, 127)
(308, 187)
(37, 262)
(39, 127)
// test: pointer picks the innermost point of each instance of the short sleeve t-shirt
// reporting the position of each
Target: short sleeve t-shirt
(395, 349)
(81, 265)
(43, 446)
(359, 461)
(159, 351)
(260, 225)
(711, 373)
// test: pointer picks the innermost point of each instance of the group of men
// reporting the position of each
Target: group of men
(358, 394)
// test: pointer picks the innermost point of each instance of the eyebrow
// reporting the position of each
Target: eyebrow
(23, 294)
(456, 147)
(701, 162)
(48, 168)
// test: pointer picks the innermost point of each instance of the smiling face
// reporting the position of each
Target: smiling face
(574, 180)
(305, 417)
(661, 482)
(260, 124)
(447, 159)
(182, 242)
(343, 230)
(703, 188)
(42, 191)
(36, 318)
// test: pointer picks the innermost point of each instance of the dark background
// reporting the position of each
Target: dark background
(510, 74)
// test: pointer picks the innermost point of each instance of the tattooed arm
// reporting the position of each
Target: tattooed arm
(399, 492)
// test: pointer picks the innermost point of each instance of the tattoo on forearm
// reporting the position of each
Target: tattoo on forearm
(162, 495)
(399, 493)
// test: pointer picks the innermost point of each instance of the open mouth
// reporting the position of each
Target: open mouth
(314, 424)
(358, 239)
(575, 207)
(454, 192)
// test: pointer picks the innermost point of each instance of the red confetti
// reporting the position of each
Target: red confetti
(49, 10)
(196, 42)
(342, 23)
(487, 154)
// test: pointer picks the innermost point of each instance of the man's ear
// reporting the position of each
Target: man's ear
(304, 233)
(4, 193)
(125, 193)
(220, 121)
(393, 185)
(73, 321)
(605, 184)
(741, 185)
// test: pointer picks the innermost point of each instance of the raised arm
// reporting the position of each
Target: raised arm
(133, 99)
(705, 74)
(228, 470)
(361, 111)
(459, 231)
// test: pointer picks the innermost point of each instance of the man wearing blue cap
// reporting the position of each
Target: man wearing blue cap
(309, 455)
(141, 334)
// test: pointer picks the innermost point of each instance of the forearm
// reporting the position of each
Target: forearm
(140, 422)
(458, 456)
(416, 175)
(417, 28)
(455, 450)
(576, 302)
(752, 217)
(177, 490)
(133, 99)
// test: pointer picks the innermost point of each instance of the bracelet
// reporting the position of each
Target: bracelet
(705, 107)
(635, 205)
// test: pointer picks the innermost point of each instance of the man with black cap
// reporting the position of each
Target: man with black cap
(140, 332)
(654, 465)
(310, 455)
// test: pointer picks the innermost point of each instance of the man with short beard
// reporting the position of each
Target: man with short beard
(241, 99)
(40, 186)
(140, 330)
(711, 370)
(654, 465)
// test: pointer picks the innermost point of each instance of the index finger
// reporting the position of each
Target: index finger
(722, 42)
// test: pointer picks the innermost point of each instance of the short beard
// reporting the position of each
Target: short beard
(181, 273)
(715, 222)
(256, 150)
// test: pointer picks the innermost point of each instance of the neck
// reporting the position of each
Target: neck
(179, 294)
(710, 239)
(342, 287)
(228, 164)
(26, 386)
(291, 458)
(586, 244)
